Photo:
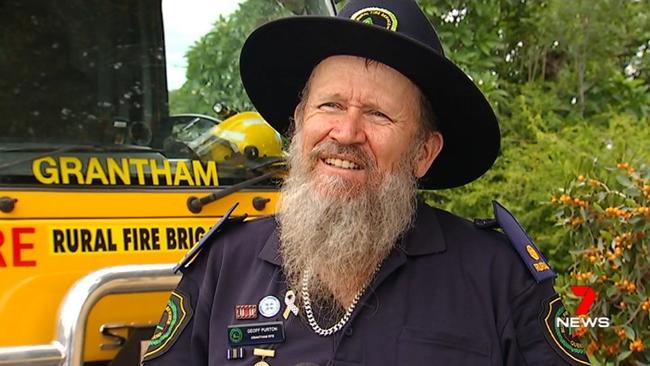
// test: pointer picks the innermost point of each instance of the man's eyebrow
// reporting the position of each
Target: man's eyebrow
(337, 96)
(330, 95)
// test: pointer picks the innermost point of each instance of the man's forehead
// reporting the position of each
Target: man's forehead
(348, 61)
(337, 75)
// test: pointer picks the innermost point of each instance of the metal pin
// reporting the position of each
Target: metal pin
(235, 353)
(264, 352)
(290, 302)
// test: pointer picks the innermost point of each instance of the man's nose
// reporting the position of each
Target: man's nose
(349, 128)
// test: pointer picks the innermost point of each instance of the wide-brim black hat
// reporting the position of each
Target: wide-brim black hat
(278, 58)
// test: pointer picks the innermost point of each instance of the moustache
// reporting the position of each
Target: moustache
(353, 153)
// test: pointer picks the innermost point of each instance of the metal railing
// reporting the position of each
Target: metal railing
(67, 348)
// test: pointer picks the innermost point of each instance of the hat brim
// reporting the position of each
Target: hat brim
(278, 58)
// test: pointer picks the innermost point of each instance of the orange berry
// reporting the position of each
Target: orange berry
(612, 349)
(581, 331)
(565, 199)
(646, 304)
(637, 346)
(576, 221)
(593, 346)
(592, 258)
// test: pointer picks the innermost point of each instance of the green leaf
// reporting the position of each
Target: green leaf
(597, 207)
(637, 219)
(629, 332)
(485, 49)
(624, 181)
(611, 291)
(601, 196)
(606, 235)
(594, 361)
(623, 355)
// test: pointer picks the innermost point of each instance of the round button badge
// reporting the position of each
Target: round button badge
(269, 306)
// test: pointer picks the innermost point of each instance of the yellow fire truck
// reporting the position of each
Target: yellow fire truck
(101, 190)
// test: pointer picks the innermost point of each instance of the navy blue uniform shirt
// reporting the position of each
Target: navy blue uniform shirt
(449, 294)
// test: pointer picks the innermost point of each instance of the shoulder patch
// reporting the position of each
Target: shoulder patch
(224, 222)
(560, 337)
(523, 244)
(175, 317)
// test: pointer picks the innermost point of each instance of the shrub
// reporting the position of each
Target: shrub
(605, 214)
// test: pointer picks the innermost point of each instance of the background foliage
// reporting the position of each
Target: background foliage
(569, 82)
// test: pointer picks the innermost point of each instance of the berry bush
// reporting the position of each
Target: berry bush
(606, 217)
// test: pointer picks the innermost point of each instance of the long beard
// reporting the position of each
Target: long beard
(338, 230)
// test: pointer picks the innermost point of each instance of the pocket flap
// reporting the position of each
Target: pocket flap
(445, 339)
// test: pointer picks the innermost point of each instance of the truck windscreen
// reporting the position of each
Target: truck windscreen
(84, 97)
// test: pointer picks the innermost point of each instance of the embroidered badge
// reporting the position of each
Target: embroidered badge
(532, 252)
(177, 314)
(376, 16)
(561, 338)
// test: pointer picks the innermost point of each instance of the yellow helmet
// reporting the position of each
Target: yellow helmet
(245, 134)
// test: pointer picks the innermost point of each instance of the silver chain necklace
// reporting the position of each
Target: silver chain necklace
(341, 323)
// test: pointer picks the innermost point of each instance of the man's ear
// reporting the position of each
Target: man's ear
(429, 150)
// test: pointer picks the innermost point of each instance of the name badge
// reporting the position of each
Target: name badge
(255, 334)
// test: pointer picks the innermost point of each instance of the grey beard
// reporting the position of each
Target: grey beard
(339, 230)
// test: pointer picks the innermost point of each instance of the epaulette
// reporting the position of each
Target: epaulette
(523, 244)
(224, 222)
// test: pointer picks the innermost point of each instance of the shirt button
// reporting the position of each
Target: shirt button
(348, 331)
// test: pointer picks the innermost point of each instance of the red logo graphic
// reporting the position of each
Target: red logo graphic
(588, 296)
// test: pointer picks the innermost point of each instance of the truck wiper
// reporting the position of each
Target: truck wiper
(49, 150)
(195, 204)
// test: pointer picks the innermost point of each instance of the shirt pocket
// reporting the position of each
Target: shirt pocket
(418, 346)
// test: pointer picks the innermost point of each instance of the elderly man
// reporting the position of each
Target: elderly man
(354, 270)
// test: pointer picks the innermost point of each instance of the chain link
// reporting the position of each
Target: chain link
(341, 323)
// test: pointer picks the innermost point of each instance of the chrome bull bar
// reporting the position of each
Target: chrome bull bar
(67, 349)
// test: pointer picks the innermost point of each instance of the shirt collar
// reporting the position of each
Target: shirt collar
(424, 237)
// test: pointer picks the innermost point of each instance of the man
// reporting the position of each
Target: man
(354, 270)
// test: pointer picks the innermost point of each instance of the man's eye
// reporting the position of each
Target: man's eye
(379, 114)
(331, 106)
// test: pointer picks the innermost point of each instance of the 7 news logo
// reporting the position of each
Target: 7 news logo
(580, 320)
